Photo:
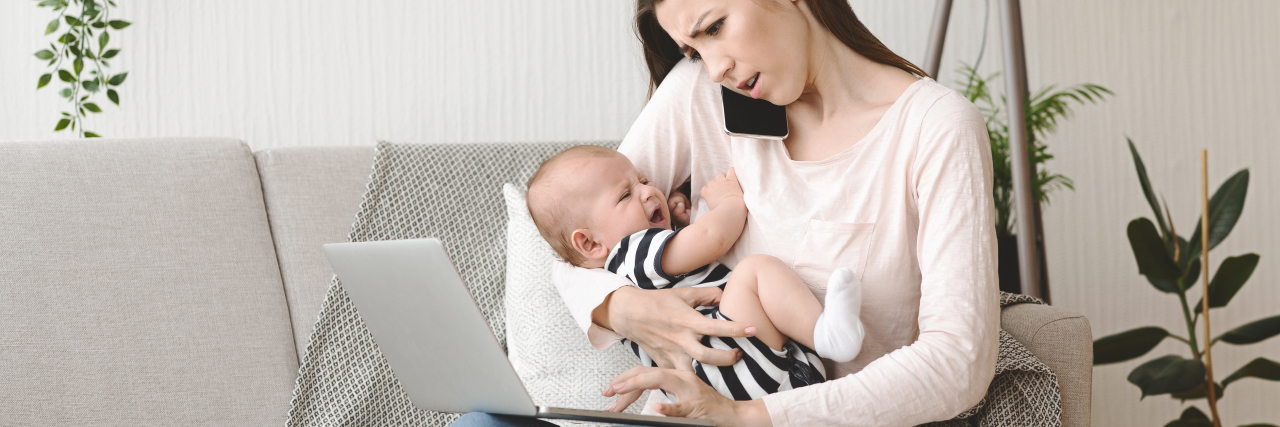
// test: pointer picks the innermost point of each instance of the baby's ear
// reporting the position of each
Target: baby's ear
(584, 242)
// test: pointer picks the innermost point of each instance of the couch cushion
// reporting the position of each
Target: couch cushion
(139, 286)
(1063, 341)
(312, 195)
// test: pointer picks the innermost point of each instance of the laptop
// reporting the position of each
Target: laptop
(433, 335)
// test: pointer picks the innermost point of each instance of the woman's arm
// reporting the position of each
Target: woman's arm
(947, 370)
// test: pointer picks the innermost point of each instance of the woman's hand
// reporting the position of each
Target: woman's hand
(664, 323)
(694, 398)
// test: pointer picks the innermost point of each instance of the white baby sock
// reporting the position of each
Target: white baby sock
(838, 333)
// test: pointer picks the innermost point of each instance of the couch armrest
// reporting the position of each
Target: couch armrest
(1063, 341)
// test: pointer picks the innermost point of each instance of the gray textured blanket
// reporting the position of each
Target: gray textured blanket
(452, 192)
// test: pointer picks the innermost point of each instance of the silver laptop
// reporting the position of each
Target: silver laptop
(432, 333)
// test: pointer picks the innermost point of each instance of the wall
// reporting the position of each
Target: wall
(1187, 75)
(283, 73)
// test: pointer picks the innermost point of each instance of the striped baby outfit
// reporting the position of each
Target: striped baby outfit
(762, 370)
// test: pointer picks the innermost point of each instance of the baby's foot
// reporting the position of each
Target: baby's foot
(838, 333)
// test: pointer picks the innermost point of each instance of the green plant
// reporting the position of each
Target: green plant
(1171, 264)
(84, 43)
(1045, 109)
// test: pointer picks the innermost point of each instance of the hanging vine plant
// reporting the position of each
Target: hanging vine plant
(79, 58)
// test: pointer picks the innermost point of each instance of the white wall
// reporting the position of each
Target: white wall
(1187, 75)
(280, 73)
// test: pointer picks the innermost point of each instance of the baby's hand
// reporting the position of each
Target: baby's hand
(679, 205)
(723, 187)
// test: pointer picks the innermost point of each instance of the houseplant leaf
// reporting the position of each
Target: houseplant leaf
(1259, 368)
(1153, 259)
(117, 79)
(1127, 345)
(1224, 210)
(1146, 188)
(1197, 392)
(53, 26)
(44, 54)
(1167, 374)
(1191, 417)
(1253, 332)
(1228, 280)
(44, 80)
(62, 124)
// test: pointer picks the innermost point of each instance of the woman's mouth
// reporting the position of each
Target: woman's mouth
(753, 86)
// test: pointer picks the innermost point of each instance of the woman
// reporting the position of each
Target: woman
(884, 172)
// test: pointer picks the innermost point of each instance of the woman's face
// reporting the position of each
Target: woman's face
(757, 48)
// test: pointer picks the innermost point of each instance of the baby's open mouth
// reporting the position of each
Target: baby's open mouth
(656, 217)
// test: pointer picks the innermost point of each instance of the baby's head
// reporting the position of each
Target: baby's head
(587, 198)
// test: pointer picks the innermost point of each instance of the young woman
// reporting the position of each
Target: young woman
(884, 172)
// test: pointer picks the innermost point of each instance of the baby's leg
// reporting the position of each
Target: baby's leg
(764, 293)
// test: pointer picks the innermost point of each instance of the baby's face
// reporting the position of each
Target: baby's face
(618, 199)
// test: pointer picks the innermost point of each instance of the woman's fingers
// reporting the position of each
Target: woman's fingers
(722, 328)
(674, 409)
(694, 399)
(696, 297)
(625, 400)
(642, 378)
(711, 356)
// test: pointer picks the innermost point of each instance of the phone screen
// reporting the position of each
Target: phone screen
(750, 117)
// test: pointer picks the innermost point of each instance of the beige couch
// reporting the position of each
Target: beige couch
(175, 281)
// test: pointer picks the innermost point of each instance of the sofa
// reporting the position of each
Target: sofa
(175, 281)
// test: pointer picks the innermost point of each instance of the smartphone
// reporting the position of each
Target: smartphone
(753, 118)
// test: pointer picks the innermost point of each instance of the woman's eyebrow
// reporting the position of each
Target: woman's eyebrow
(693, 31)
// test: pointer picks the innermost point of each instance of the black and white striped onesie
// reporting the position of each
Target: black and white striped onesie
(762, 370)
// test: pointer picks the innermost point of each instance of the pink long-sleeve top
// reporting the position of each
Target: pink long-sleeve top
(908, 209)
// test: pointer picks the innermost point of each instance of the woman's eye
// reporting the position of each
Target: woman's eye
(715, 27)
(693, 54)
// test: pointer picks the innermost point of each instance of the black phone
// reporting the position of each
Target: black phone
(750, 117)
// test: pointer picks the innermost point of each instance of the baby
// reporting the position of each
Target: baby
(597, 211)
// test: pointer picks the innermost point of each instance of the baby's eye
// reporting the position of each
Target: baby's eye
(715, 27)
(625, 196)
(644, 182)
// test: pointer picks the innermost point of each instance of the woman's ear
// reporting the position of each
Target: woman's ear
(584, 242)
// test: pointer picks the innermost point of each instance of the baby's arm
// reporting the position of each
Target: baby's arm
(714, 233)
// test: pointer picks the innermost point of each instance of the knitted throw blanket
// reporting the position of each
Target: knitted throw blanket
(453, 192)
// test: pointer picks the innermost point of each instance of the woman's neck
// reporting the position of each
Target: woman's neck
(843, 82)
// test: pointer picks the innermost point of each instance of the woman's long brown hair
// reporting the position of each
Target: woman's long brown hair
(661, 53)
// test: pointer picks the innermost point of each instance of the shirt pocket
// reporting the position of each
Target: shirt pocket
(827, 246)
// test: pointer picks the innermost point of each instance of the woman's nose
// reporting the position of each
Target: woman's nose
(718, 67)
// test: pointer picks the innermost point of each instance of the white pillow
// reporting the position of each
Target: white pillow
(551, 355)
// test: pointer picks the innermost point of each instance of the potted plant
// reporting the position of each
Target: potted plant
(1044, 110)
(1171, 263)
